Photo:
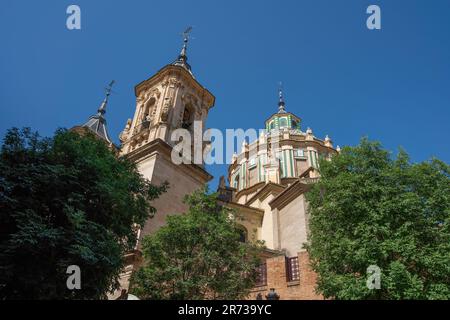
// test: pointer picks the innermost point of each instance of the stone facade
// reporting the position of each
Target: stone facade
(169, 100)
(272, 174)
(267, 180)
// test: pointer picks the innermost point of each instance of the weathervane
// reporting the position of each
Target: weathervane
(182, 57)
(186, 34)
(186, 37)
(108, 89)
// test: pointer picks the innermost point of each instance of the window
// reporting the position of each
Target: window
(272, 125)
(236, 182)
(145, 116)
(242, 234)
(294, 124)
(283, 122)
(299, 153)
(187, 118)
(261, 279)
(148, 110)
(292, 269)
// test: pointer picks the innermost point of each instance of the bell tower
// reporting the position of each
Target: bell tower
(169, 100)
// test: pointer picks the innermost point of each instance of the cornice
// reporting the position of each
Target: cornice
(178, 69)
(289, 194)
(319, 144)
(265, 191)
(257, 211)
(249, 189)
(161, 147)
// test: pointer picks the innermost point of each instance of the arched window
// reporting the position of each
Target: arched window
(186, 122)
(236, 182)
(242, 234)
(147, 112)
(283, 122)
(272, 125)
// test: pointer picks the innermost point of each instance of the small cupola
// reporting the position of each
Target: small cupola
(282, 119)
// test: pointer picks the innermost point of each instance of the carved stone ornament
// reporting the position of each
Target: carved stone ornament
(124, 134)
(190, 98)
(174, 82)
(165, 110)
(155, 93)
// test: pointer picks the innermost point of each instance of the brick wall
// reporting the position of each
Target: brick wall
(303, 289)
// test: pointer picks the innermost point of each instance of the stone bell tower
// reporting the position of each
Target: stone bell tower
(169, 100)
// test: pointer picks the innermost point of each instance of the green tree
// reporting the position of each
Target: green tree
(370, 209)
(66, 200)
(197, 255)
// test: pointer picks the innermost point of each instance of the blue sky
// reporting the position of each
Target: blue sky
(339, 77)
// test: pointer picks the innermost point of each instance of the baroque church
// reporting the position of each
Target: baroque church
(266, 187)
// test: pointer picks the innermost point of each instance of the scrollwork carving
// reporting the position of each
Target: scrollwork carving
(166, 107)
(124, 134)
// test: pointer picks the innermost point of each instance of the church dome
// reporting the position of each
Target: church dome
(282, 155)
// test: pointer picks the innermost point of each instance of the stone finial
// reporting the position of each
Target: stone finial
(309, 134)
(328, 141)
(262, 137)
(244, 146)
(124, 134)
(338, 149)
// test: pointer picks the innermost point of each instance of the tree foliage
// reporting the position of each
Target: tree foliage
(66, 200)
(370, 209)
(197, 255)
